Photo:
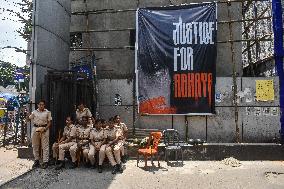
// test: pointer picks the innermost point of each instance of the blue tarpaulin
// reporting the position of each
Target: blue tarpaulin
(7, 96)
(278, 55)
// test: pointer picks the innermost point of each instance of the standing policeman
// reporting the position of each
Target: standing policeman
(40, 133)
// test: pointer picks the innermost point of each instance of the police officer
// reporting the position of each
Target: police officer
(104, 124)
(97, 139)
(82, 111)
(40, 133)
(68, 140)
(122, 126)
(83, 139)
(114, 144)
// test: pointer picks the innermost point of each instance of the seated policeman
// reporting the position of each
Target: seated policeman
(114, 145)
(83, 139)
(97, 139)
(82, 111)
(65, 143)
(122, 126)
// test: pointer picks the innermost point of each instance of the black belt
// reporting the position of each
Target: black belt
(35, 125)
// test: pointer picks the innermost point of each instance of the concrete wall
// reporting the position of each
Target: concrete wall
(116, 72)
(220, 127)
(50, 41)
(119, 63)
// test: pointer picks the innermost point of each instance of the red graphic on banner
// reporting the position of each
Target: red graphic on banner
(193, 85)
(156, 106)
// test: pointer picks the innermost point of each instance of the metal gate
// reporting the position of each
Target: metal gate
(64, 90)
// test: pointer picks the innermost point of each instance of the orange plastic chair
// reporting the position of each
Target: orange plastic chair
(151, 148)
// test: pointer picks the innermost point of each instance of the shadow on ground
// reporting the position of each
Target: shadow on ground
(80, 177)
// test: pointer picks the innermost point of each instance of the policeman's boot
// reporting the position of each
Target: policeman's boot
(123, 159)
(114, 169)
(36, 164)
(93, 166)
(53, 161)
(73, 165)
(87, 165)
(100, 169)
(44, 165)
(60, 165)
(119, 168)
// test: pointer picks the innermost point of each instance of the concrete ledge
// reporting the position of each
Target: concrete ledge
(25, 152)
(220, 151)
(209, 151)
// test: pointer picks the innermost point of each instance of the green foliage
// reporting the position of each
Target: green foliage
(144, 142)
(7, 73)
(26, 9)
(24, 16)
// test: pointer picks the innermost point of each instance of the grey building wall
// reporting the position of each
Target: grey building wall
(221, 127)
(119, 63)
(115, 72)
(50, 41)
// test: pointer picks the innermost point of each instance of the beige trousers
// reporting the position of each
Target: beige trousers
(73, 150)
(116, 149)
(40, 139)
(92, 155)
(63, 148)
(55, 149)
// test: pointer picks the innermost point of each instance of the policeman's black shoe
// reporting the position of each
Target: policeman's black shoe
(60, 165)
(100, 169)
(44, 165)
(36, 164)
(114, 168)
(87, 165)
(93, 166)
(73, 165)
(53, 161)
(123, 159)
(119, 168)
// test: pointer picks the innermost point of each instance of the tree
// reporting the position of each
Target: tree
(7, 70)
(27, 10)
(24, 16)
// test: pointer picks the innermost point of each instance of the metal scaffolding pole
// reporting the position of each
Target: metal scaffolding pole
(234, 75)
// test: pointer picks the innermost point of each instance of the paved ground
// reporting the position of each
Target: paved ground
(193, 174)
(10, 165)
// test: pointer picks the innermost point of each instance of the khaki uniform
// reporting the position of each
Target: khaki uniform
(124, 129)
(40, 118)
(69, 131)
(85, 112)
(97, 137)
(90, 125)
(112, 134)
(83, 135)
(122, 126)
